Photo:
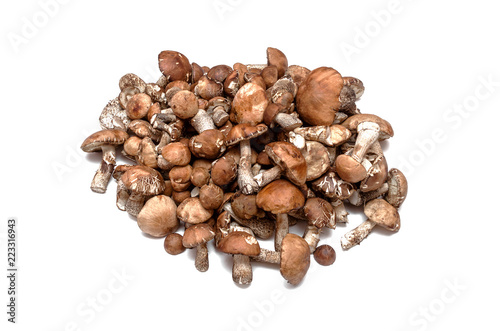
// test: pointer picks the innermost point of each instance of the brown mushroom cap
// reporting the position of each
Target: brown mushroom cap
(318, 96)
(138, 106)
(317, 159)
(158, 216)
(95, 141)
(177, 154)
(184, 104)
(352, 123)
(280, 197)
(173, 244)
(174, 66)
(244, 131)
(376, 175)
(239, 242)
(355, 84)
(297, 73)
(180, 177)
(349, 169)
(319, 212)
(143, 180)
(224, 171)
(197, 234)
(383, 214)
(211, 196)
(209, 144)
(249, 104)
(219, 72)
(245, 207)
(191, 211)
(295, 258)
(290, 159)
(277, 58)
(398, 188)
(325, 255)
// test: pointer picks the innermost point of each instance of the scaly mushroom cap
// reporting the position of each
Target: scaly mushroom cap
(197, 234)
(158, 218)
(132, 80)
(355, 84)
(318, 96)
(113, 116)
(280, 197)
(174, 66)
(290, 159)
(191, 211)
(349, 169)
(249, 104)
(143, 180)
(239, 242)
(297, 73)
(244, 131)
(319, 212)
(383, 214)
(317, 159)
(95, 141)
(295, 258)
(352, 123)
(398, 188)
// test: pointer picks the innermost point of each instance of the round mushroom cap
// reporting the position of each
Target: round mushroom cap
(131, 145)
(95, 141)
(239, 242)
(211, 196)
(280, 197)
(249, 104)
(173, 244)
(177, 154)
(143, 180)
(319, 212)
(295, 258)
(209, 144)
(289, 158)
(245, 207)
(224, 171)
(325, 255)
(197, 234)
(158, 216)
(398, 188)
(184, 104)
(244, 131)
(317, 159)
(383, 214)
(138, 106)
(191, 211)
(175, 66)
(349, 169)
(132, 80)
(352, 123)
(318, 96)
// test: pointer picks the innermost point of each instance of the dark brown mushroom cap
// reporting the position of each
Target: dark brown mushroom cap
(158, 216)
(209, 144)
(280, 197)
(239, 242)
(219, 72)
(332, 186)
(383, 214)
(295, 258)
(191, 211)
(398, 188)
(325, 255)
(277, 58)
(349, 169)
(318, 96)
(184, 104)
(95, 141)
(177, 153)
(211, 196)
(197, 234)
(224, 171)
(244, 131)
(272, 110)
(249, 104)
(143, 180)
(319, 212)
(245, 207)
(289, 158)
(352, 123)
(174, 66)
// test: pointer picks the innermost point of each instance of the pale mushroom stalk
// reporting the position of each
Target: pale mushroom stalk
(122, 195)
(267, 176)
(246, 182)
(340, 211)
(368, 133)
(134, 204)
(201, 260)
(287, 121)
(328, 135)
(242, 269)
(311, 236)
(268, 256)
(357, 235)
(281, 230)
(219, 116)
(103, 174)
(202, 121)
(256, 66)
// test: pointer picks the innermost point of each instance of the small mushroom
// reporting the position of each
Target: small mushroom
(104, 141)
(138, 106)
(122, 193)
(192, 211)
(211, 196)
(132, 80)
(180, 177)
(158, 216)
(277, 58)
(207, 88)
(173, 244)
(241, 245)
(398, 188)
(325, 255)
(276, 113)
(249, 104)
(184, 104)
(197, 236)
(141, 181)
(379, 212)
(319, 213)
(355, 84)
(262, 227)
(174, 66)
(224, 171)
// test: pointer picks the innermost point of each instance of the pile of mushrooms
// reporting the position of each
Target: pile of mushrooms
(242, 153)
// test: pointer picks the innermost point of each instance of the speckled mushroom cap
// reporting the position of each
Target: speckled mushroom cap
(132, 80)
(352, 123)
(295, 258)
(280, 197)
(244, 131)
(192, 211)
(113, 116)
(197, 234)
(143, 180)
(290, 159)
(398, 188)
(383, 214)
(319, 212)
(239, 242)
(355, 84)
(95, 141)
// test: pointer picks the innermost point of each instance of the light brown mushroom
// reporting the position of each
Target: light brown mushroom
(197, 236)
(158, 216)
(241, 245)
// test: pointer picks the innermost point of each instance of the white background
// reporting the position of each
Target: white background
(420, 65)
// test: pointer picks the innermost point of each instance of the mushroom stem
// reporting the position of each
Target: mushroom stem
(201, 259)
(256, 66)
(359, 198)
(134, 204)
(202, 121)
(311, 236)
(268, 256)
(281, 230)
(101, 178)
(122, 195)
(246, 182)
(368, 133)
(340, 211)
(267, 176)
(220, 116)
(164, 141)
(263, 228)
(287, 121)
(242, 269)
(357, 235)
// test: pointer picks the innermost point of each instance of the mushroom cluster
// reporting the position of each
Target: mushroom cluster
(241, 154)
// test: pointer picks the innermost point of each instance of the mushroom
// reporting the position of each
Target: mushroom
(325, 255)
(294, 258)
(113, 116)
(218, 109)
(184, 104)
(146, 155)
(332, 186)
(138, 106)
(173, 244)
(279, 198)
(332, 135)
(158, 216)
(209, 143)
(211, 195)
(276, 113)
(175, 66)
(242, 133)
(141, 181)
(132, 80)
(249, 104)
(242, 245)
(398, 188)
(379, 212)
(224, 171)
(122, 193)
(106, 142)
(277, 58)
(192, 211)
(317, 159)
(262, 227)
(319, 213)
(197, 236)
(355, 84)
